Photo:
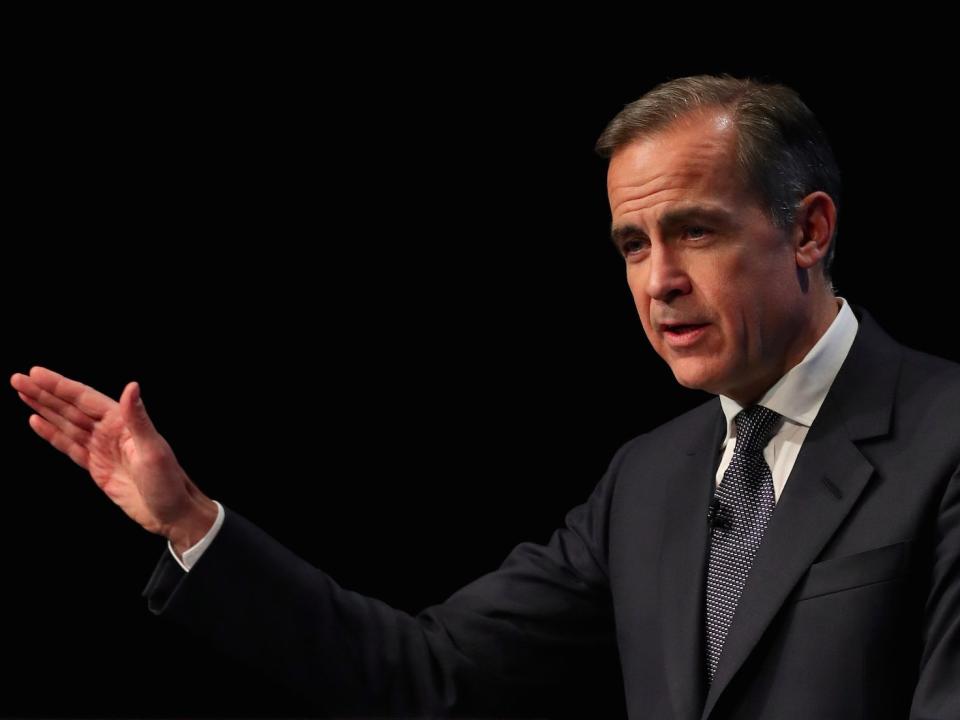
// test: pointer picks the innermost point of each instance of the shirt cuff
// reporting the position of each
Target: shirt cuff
(191, 555)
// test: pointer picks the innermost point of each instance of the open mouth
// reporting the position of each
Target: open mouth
(683, 334)
(682, 329)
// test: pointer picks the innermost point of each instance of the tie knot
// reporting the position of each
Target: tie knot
(755, 425)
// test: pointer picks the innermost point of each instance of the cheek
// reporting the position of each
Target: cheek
(645, 321)
(633, 282)
(734, 312)
(742, 324)
(640, 300)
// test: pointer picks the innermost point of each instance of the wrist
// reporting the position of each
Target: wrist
(193, 525)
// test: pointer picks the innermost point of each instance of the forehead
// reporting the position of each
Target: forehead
(692, 160)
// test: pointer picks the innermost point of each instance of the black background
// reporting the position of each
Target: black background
(368, 293)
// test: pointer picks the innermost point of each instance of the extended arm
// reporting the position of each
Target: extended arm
(534, 636)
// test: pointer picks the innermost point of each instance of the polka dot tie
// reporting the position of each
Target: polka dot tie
(739, 514)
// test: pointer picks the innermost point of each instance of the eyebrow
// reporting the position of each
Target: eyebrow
(672, 218)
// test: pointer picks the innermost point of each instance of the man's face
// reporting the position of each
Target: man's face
(714, 281)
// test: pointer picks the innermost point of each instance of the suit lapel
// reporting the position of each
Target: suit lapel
(683, 558)
(826, 481)
(829, 475)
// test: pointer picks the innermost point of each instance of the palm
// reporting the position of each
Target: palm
(114, 441)
(117, 468)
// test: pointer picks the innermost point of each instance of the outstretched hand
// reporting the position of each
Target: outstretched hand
(118, 445)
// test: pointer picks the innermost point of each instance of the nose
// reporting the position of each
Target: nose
(667, 278)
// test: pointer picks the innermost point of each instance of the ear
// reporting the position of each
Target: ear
(816, 219)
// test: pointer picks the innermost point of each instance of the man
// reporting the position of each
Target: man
(788, 549)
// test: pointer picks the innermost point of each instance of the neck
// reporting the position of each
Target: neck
(809, 329)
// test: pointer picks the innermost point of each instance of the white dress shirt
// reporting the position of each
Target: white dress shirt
(192, 554)
(797, 396)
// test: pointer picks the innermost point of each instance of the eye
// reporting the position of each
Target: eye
(632, 245)
(696, 231)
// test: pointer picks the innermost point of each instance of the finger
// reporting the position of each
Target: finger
(77, 434)
(135, 414)
(83, 397)
(27, 387)
(60, 441)
(45, 390)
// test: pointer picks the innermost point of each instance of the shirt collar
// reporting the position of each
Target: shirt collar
(798, 395)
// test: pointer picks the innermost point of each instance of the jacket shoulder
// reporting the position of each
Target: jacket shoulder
(928, 396)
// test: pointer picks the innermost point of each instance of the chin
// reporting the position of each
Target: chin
(695, 381)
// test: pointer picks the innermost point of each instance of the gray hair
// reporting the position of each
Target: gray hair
(781, 149)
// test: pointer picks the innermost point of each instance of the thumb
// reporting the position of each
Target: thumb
(135, 414)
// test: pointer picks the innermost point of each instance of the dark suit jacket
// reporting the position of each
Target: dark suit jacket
(852, 609)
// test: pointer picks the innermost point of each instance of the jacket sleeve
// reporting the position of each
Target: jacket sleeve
(937, 693)
(537, 633)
